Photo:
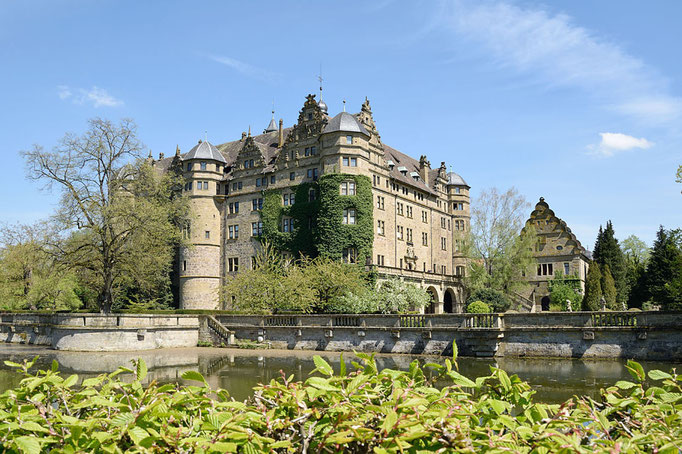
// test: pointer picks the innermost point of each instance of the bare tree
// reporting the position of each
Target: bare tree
(115, 225)
(501, 247)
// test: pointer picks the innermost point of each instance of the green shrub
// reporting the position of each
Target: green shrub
(363, 411)
(497, 300)
(478, 307)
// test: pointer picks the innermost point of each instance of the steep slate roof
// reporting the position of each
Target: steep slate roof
(266, 143)
(204, 150)
(412, 165)
(345, 122)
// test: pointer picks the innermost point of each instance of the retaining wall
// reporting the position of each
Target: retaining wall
(98, 332)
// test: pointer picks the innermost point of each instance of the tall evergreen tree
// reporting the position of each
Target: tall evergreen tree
(607, 252)
(664, 271)
(608, 287)
(636, 275)
(593, 291)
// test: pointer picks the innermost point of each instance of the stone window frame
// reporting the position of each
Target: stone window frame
(349, 216)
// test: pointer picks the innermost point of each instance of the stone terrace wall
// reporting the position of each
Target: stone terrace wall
(97, 332)
(641, 335)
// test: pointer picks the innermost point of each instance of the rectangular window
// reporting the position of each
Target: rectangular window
(381, 227)
(207, 234)
(567, 269)
(307, 151)
(287, 225)
(380, 202)
(233, 231)
(292, 175)
(312, 195)
(233, 264)
(353, 162)
(203, 166)
(344, 188)
(444, 243)
(313, 151)
(425, 217)
(349, 216)
(380, 260)
(189, 166)
(257, 228)
(246, 164)
(239, 185)
(409, 211)
(257, 204)
(351, 188)
(184, 265)
(272, 179)
(200, 185)
(349, 139)
(425, 238)
(399, 232)
(350, 255)
(236, 207)
(257, 182)
(409, 235)
(346, 161)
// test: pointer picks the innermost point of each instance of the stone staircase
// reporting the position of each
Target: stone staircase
(217, 332)
(522, 303)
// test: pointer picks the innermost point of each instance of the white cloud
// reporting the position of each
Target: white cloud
(615, 142)
(248, 70)
(557, 52)
(96, 96)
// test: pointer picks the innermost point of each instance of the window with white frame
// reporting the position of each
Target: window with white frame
(232, 264)
(399, 232)
(257, 228)
(349, 216)
(381, 227)
(233, 232)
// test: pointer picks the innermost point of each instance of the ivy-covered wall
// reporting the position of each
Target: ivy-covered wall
(333, 235)
(319, 228)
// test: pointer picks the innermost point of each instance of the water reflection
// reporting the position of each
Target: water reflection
(239, 371)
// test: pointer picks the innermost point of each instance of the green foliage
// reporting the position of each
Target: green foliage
(664, 270)
(593, 291)
(330, 280)
(30, 277)
(365, 410)
(119, 219)
(497, 301)
(502, 255)
(607, 251)
(478, 307)
(678, 176)
(635, 249)
(332, 235)
(391, 297)
(563, 288)
(608, 287)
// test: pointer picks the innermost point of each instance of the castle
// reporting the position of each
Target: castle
(557, 251)
(327, 185)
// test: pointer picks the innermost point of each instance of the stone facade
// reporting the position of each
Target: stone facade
(418, 212)
(557, 251)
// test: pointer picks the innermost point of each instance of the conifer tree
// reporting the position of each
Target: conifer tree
(608, 287)
(607, 251)
(593, 291)
(664, 271)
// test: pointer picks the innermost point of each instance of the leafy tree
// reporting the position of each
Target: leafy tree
(563, 288)
(117, 224)
(501, 256)
(636, 276)
(331, 279)
(608, 287)
(679, 175)
(593, 291)
(29, 277)
(607, 251)
(493, 298)
(635, 249)
(273, 285)
(478, 307)
(664, 270)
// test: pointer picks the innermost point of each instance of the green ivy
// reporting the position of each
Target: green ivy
(319, 228)
(333, 235)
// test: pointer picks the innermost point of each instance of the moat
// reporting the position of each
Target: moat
(238, 371)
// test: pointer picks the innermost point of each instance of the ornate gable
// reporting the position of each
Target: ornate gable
(311, 121)
(250, 151)
(554, 235)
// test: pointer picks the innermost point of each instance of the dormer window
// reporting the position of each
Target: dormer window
(414, 175)
(402, 170)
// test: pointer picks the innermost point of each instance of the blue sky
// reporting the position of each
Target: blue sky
(577, 102)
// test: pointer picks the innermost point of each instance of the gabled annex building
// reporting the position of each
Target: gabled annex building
(326, 185)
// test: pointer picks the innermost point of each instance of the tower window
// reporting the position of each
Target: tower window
(292, 175)
(272, 179)
(184, 265)
(207, 234)
(189, 166)
(567, 269)
(203, 165)
(349, 139)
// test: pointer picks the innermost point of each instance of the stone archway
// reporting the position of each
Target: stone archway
(449, 302)
(545, 303)
(432, 306)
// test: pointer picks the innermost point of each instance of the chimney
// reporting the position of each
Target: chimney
(280, 134)
(160, 156)
(424, 167)
(243, 136)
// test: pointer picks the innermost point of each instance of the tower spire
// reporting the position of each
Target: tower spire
(319, 77)
(344, 105)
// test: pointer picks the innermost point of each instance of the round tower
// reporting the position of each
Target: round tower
(458, 199)
(199, 262)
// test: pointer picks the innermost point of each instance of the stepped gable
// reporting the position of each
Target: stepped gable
(558, 226)
(266, 143)
(412, 165)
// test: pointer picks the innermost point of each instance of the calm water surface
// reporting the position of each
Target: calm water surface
(239, 371)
